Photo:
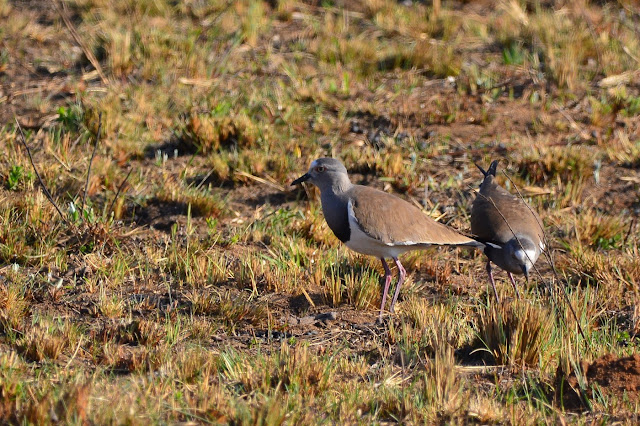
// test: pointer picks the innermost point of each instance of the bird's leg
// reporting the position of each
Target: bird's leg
(513, 283)
(402, 274)
(491, 280)
(387, 282)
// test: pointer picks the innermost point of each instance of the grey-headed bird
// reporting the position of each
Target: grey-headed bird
(375, 223)
(510, 229)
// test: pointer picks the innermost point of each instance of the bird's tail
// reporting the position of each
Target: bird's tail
(463, 242)
(472, 243)
(492, 169)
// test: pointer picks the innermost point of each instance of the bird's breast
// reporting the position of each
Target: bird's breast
(335, 213)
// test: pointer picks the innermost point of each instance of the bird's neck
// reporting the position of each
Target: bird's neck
(341, 186)
(336, 187)
(334, 206)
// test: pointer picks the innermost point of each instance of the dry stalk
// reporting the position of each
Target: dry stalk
(35, 169)
(93, 154)
(119, 190)
(88, 53)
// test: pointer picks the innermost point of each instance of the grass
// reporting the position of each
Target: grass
(196, 286)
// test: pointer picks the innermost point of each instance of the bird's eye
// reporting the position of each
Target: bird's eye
(320, 169)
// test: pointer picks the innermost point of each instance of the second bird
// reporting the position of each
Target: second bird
(510, 229)
(373, 222)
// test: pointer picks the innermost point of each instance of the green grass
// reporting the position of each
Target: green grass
(189, 288)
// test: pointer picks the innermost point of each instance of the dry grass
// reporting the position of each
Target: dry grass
(516, 333)
(199, 288)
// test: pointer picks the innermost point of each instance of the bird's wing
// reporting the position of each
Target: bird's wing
(394, 221)
(496, 215)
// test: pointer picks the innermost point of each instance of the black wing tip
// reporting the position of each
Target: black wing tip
(493, 168)
(483, 171)
(491, 171)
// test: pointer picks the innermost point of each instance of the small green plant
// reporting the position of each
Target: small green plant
(513, 53)
(4, 59)
(87, 214)
(71, 117)
(16, 176)
(632, 106)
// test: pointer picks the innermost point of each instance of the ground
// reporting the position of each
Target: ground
(184, 280)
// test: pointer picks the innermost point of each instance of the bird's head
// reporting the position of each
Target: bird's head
(521, 253)
(325, 173)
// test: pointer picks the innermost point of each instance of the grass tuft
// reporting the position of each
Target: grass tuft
(193, 285)
(40, 345)
(515, 333)
(204, 133)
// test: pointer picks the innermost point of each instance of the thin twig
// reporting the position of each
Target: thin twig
(594, 38)
(119, 189)
(631, 226)
(75, 352)
(516, 237)
(261, 180)
(572, 122)
(87, 52)
(535, 267)
(547, 243)
(548, 257)
(93, 154)
(204, 179)
(35, 169)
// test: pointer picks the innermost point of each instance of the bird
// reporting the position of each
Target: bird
(510, 229)
(373, 222)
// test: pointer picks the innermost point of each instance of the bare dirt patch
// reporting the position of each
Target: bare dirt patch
(609, 375)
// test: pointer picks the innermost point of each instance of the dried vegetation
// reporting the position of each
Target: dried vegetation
(183, 281)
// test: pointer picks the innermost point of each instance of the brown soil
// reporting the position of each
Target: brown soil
(609, 375)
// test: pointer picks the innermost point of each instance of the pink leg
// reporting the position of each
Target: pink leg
(402, 274)
(513, 283)
(493, 283)
(387, 282)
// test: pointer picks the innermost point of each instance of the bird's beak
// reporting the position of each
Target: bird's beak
(305, 177)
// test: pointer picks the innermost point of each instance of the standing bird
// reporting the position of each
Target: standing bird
(373, 222)
(510, 229)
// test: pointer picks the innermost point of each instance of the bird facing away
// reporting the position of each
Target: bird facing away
(510, 229)
(373, 222)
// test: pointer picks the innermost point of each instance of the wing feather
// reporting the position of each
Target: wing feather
(394, 221)
(496, 213)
